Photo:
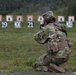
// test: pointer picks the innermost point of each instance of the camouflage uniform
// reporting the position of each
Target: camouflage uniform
(58, 50)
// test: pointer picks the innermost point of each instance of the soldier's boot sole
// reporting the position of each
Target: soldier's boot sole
(53, 67)
(34, 65)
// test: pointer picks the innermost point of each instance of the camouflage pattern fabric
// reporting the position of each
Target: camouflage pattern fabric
(48, 31)
(58, 50)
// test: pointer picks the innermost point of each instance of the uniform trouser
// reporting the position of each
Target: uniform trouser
(44, 61)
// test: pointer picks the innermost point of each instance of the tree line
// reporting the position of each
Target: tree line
(36, 6)
(27, 6)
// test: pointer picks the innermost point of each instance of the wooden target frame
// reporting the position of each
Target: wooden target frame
(30, 18)
(19, 18)
(9, 18)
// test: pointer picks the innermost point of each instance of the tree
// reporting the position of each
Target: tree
(72, 7)
(32, 6)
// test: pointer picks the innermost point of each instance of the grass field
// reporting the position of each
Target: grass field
(19, 50)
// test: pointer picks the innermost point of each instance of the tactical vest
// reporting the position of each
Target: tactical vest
(47, 32)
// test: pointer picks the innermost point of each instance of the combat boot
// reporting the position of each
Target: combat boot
(53, 67)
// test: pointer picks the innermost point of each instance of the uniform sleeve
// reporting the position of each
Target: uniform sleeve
(41, 36)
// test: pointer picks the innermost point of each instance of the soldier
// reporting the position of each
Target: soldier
(54, 35)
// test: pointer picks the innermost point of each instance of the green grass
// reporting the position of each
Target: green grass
(19, 50)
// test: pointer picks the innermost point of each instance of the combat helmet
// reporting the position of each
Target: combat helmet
(48, 14)
(49, 17)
